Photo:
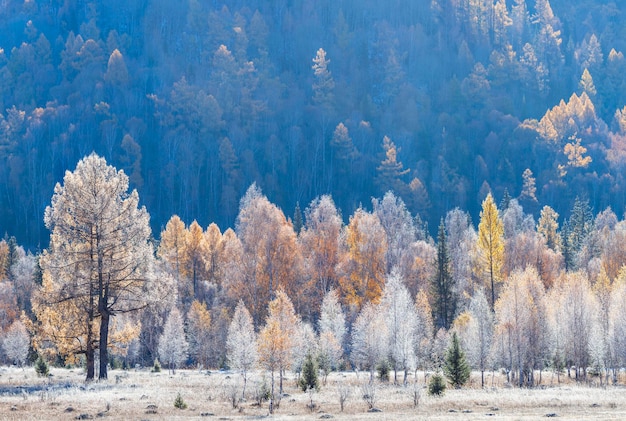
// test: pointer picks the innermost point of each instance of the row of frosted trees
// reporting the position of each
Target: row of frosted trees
(574, 327)
(104, 291)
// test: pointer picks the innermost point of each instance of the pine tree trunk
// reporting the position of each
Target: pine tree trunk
(104, 339)
(103, 310)
(90, 353)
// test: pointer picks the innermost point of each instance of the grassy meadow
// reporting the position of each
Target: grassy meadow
(208, 395)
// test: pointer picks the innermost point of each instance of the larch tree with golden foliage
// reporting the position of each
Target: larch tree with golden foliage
(320, 247)
(271, 256)
(196, 250)
(362, 269)
(491, 245)
(213, 254)
(276, 341)
(172, 248)
(64, 327)
(99, 257)
(199, 332)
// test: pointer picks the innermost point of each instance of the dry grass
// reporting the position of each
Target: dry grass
(209, 395)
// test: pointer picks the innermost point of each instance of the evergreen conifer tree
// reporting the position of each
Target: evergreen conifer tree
(436, 385)
(456, 368)
(443, 283)
(309, 378)
(506, 200)
(297, 219)
(41, 367)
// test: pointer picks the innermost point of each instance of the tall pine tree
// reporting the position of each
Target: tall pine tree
(443, 291)
(579, 226)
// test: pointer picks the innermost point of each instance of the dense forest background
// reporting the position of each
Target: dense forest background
(440, 101)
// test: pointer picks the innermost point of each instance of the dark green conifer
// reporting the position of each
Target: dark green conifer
(455, 367)
(297, 219)
(442, 287)
(309, 379)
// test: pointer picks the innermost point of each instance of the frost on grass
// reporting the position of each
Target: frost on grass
(143, 394)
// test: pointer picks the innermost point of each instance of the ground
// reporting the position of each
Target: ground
(142, 395)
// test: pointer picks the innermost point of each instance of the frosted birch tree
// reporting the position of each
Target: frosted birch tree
(481, 332)
(241, 349)
(16, 342)
(369, 339)
(332, 328)
(401, 320)
(173, 345)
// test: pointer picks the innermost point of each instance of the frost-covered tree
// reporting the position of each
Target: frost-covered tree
(332, 329)
(100, 251)
(424, 329)
(22, 274)
(241, 349)
(401, 320)
(199, 332)
(324, 85)
(369, 339)
(332, 318)
(306, 343)
(529, 188)
(601, 352)
(320, 245)
(548, 226)
(16, 342)
(617, 322)
(173, 345)
(398, 225)
(521, 328)
(480, 332)
(575, 320)
(461, 240)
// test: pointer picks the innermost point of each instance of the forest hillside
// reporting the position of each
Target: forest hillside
(440, 101)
